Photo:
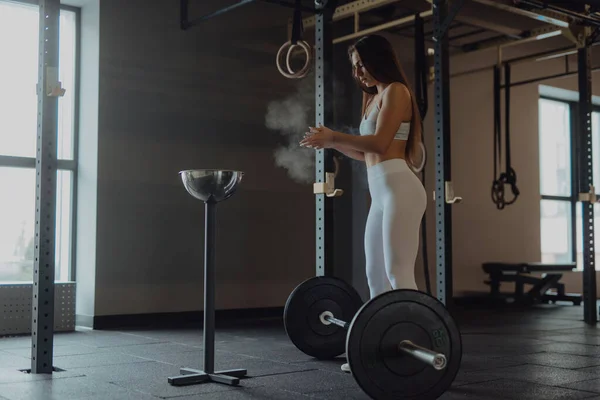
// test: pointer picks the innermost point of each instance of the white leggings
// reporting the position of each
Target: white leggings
(398, 202)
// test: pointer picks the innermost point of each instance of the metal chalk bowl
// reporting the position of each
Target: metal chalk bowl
(211, 186)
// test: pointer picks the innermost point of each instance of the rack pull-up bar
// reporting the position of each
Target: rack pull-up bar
(547, 77)
(185, 23)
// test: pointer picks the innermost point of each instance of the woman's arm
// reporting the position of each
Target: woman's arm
(394, 110)
(350, 152)
(357, 155)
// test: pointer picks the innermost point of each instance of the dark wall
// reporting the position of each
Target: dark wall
(172, 100)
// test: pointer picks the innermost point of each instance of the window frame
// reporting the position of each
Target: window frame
(573, 198)
(62, 164)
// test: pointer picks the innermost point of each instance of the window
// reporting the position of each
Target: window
(561, 227)
(555, 181)
(19, 37)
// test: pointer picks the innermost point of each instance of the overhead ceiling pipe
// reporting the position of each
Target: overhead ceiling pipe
(593, 3)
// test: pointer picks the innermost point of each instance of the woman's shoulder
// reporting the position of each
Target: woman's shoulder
(397, 88)
(396, 92)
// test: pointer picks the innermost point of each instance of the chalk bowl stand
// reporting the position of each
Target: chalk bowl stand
(211, 186)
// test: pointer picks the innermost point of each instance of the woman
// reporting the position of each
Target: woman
(389, 144)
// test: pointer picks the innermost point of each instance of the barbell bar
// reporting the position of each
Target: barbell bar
(432, 358)
(436, 360)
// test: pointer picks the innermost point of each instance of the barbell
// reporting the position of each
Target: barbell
(401, 344)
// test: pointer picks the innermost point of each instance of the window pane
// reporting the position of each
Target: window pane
(17, 230)
(580, 234)
(18, 78)
(556, 240)
(66, 104)
(19, 45)
(64, 197)
(555, 148)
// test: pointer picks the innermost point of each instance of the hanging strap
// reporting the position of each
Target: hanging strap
(509, 176)
(421, 73)
(497, 185)
(298, 26)
(421, 70)
(497, 121)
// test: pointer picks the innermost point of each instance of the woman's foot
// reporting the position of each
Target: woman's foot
(345, 367)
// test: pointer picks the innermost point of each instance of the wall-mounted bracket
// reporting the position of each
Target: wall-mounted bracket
(578, 34)
(589, 197)
(53, 85)
(450, 198)
(328, 187)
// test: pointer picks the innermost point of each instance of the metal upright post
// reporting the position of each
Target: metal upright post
(443, 176)
(209, 286)
(48, 91)
(324, 115)
(586, 180)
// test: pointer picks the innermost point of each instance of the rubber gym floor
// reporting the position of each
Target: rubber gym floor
(543, 352)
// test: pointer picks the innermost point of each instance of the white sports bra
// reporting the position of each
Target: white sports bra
(368, 125)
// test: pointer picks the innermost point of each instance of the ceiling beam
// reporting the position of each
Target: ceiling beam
(526, 37)
(546, 16)
(350, 10)
(489, 25)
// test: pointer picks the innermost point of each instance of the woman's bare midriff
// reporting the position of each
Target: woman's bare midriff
(396, 150)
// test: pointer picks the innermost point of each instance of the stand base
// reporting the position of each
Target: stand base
(193, 376)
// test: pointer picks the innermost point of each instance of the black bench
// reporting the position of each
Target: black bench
(519, 273)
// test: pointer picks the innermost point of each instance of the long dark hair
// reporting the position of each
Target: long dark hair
(380, 60)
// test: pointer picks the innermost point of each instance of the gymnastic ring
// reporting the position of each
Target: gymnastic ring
(290, 74)
(336, 169)
(304, 70)
(287, 59)
(306, 47)
(424, 158)
(307, 64)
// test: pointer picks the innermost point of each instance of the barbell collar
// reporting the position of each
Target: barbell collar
(328, 318)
